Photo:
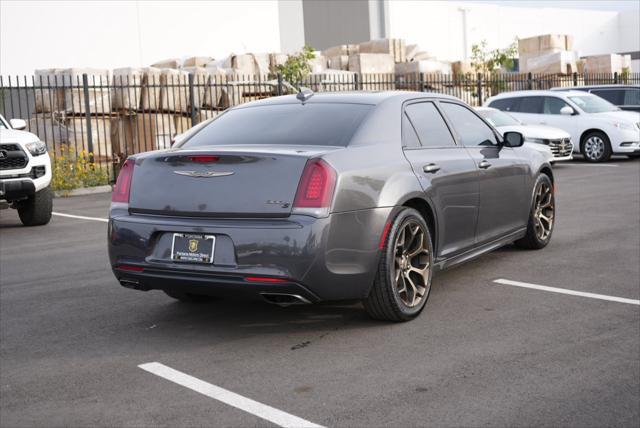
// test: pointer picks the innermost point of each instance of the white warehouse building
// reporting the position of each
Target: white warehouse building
(47, 34)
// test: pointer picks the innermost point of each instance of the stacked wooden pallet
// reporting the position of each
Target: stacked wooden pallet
(547, 54)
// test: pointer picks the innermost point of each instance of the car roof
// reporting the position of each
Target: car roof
(539, 93)
(615, 86)
(485, 109)
(350, 97)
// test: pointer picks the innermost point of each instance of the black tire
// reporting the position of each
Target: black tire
(597, 138)
(533, 239)
(36, 210)
(385, 301)
(189, 297)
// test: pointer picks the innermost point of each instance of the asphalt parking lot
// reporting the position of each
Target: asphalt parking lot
(482, 353)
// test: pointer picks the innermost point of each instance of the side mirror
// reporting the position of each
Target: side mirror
(513, 139)
(18, 124)
(567, 111)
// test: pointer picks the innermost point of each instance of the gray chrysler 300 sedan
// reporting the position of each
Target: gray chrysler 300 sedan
(308, 198)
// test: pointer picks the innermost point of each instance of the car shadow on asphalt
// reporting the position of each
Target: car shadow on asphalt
(230, 320)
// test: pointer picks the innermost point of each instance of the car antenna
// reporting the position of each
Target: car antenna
(304, 94)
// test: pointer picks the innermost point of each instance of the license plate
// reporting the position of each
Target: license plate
(193, 248)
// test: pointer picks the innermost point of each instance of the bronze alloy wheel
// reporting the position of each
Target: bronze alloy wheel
(411, 264)
(544, 211)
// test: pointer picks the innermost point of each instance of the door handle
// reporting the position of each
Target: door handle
(484, 164)
(431, 168)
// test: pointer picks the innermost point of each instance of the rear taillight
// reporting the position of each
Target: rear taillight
(123, 183)
(204, 158)
(315, 190)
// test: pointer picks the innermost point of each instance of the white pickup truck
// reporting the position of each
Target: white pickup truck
(25, 173)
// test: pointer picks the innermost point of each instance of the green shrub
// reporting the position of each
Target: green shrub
(73, 170)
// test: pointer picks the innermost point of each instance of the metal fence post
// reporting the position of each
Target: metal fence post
(87, 113)
(615, 78)
(575, 79)
(529, 81)
(279, 88)
(192, 102)
(421, 82)
(356, 81)
(479, 88)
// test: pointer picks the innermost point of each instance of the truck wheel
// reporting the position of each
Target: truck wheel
(596, 147)
(541, 217)
(403, 281)
(36, 210)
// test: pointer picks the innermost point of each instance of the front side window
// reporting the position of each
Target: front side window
(553, 105)
(429, 124)
(471, 130)
(316, 124)
(593, 104)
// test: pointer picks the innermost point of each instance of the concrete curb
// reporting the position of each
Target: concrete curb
(83, 191)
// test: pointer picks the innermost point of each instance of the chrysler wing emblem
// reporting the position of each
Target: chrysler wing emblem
(203, 174)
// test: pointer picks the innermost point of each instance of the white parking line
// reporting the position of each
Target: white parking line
(567, 291)
(263, 411)
(590, 164)
(81, 217)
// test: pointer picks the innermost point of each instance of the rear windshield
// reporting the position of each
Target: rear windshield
(290, 124)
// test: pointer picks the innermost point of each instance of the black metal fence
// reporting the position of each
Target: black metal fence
(108, 118)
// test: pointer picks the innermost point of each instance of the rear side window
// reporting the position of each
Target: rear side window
(430, 126)
(632, 97)
(284, 124)
(530, 105)
(469, 127)
(614, 96)
(409, 136)
(505, 104)
(553, 105)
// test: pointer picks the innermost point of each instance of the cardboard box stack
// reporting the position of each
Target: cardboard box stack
(150, 93)
(330, 80)
(394, 47)
(127, 88)
(49, 95)
(611, 63)
(548, 54)
(371, 63)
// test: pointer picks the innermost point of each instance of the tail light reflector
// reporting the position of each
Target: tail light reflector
(264, 279)
(123, 183)
(316, 186)
(130, 268)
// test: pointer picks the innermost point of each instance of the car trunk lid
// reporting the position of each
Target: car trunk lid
(222, 182)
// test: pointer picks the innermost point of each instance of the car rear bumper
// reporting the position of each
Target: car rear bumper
(333, 258)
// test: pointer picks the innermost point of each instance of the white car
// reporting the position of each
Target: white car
(25, 173)
(555, 144)
(598, 128)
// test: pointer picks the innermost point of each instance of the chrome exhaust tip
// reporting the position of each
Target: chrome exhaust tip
(284, 299)
(134, 284)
